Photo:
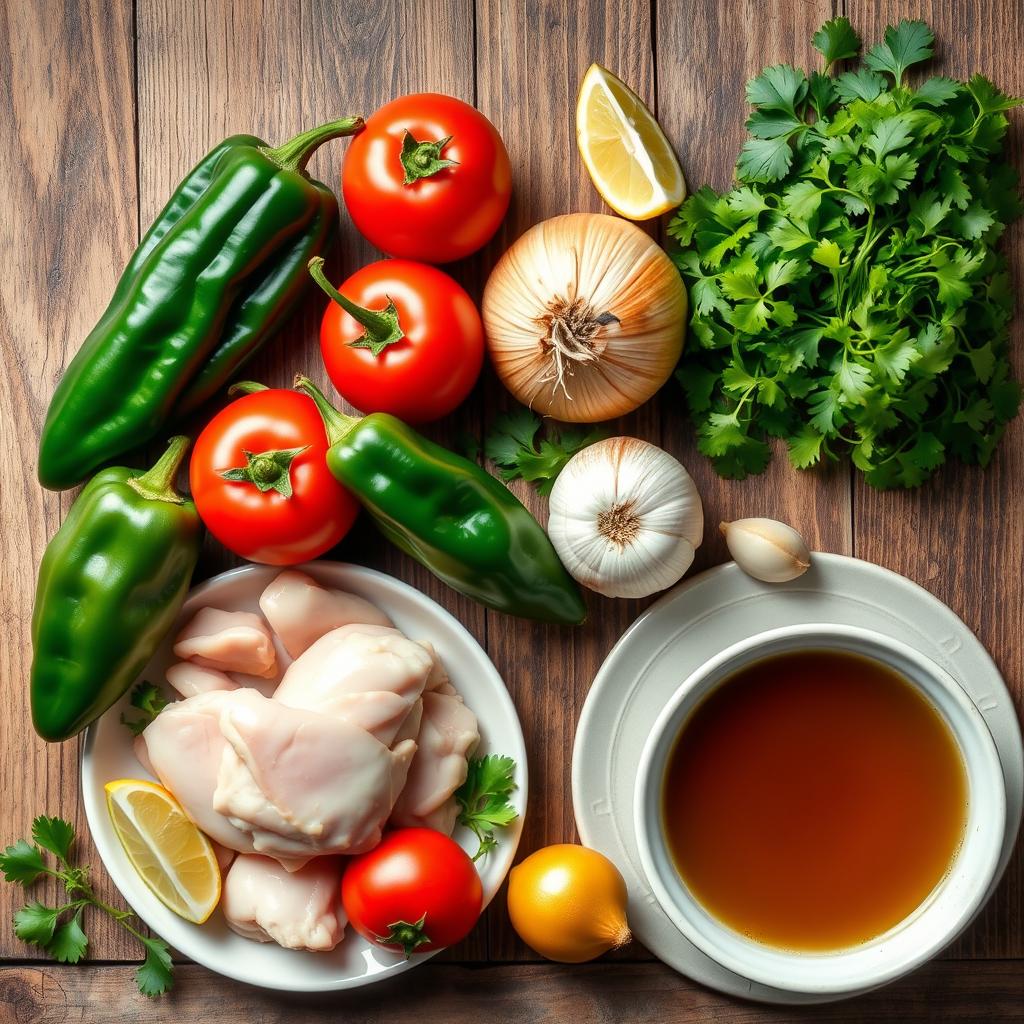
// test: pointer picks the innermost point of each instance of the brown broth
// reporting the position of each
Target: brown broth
(814, 800)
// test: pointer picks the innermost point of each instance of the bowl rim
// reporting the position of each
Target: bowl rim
(765, 964)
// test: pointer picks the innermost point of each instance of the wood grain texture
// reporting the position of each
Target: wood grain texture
(274, 67)
(706, 52)
(531, 57)
(961, 535)
(990, 992)
(67, 160)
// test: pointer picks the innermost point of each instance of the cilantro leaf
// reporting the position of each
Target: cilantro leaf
(764, 159)
(483, 798)
(69, 942)
(35, 923)
(863, 84)
(512, 445)
(910, 42)
(937, 91)
(780, 87)
(156, 975)
(836, 40)
(54, 834)
(148, 699)
(22, 863)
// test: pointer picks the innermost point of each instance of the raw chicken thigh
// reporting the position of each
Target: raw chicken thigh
(297, 910)
(302, 783)
(300, 611)
(228, 641)
(189, 679)
(373, 680)
(448, 735)
(184, 747)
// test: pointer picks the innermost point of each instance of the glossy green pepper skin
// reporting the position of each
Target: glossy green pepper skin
(450, 515)
(216, 274)
(111, 583)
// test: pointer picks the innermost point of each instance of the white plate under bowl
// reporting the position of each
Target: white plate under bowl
(107, 755)
(696, 621)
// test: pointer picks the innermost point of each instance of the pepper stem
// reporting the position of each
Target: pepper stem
(337, 424)
(157, 484)
(295, 153)
(382, 326)
(246, 387)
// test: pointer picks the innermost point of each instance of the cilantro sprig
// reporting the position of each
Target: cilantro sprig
(483, 798)
(149, 700)
(847, 295)
(58, 930)
(512, 444)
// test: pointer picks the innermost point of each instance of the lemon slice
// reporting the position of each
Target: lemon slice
(629, 159)
(171, 855)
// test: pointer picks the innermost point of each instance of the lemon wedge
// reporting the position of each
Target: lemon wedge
(626, 153)
(170, 854)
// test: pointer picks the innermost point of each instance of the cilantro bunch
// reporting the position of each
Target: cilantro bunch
(58, 930)
(483, 798)
(847, 295)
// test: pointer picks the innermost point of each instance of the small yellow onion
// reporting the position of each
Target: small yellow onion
(585, 317)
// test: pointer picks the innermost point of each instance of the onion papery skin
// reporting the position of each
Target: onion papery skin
(594, 266)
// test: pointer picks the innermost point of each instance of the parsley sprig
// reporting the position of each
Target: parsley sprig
(847, 295)
(483, 798)
(512, 444)
(58, 930)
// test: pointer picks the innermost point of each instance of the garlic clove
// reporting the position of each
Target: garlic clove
(766, 549)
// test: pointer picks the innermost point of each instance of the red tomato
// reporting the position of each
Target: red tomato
(427, 372)
(416, 891)
(455, 207)
(265, 525)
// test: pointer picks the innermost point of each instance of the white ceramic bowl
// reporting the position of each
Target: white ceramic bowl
(108, 754)
(946, 912)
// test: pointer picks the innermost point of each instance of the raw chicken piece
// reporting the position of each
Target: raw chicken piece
(297, 910)
(300, 611)
(228, 641)
(185, 746)
(304, 783)
(371, 679)
(142, 755)
(189, 679)
(448, 734)
(225, 857)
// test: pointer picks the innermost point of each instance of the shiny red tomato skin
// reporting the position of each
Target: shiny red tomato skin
(266, 526)
(430, 371)
(437, 219)
(412, 872)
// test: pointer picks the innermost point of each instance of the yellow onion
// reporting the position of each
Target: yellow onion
(584, 316)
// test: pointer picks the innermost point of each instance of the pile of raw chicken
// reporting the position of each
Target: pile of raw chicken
(301, 734)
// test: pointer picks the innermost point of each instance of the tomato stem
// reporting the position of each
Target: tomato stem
(423, 159)
(408, 936)
(266, 471)
(382, 327)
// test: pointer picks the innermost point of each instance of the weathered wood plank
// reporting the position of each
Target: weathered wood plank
(989, 992)
(67, 159)
(705, 54)
(961, 536)
(530, 60)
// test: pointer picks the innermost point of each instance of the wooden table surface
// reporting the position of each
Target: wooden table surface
(106, 104)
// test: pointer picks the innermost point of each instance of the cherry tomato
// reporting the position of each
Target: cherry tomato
(414, 892)
(427, 179)
(260, 480)
(411, 343)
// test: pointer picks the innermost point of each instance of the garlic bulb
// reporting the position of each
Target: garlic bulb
(584, 316)
(625, 518)
(767, 549)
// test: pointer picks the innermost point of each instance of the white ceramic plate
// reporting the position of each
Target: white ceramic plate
(107, 755)
(701, 618)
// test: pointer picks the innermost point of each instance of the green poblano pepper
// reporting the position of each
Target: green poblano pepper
(450, 515)
(215, 275)
(111, 583)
